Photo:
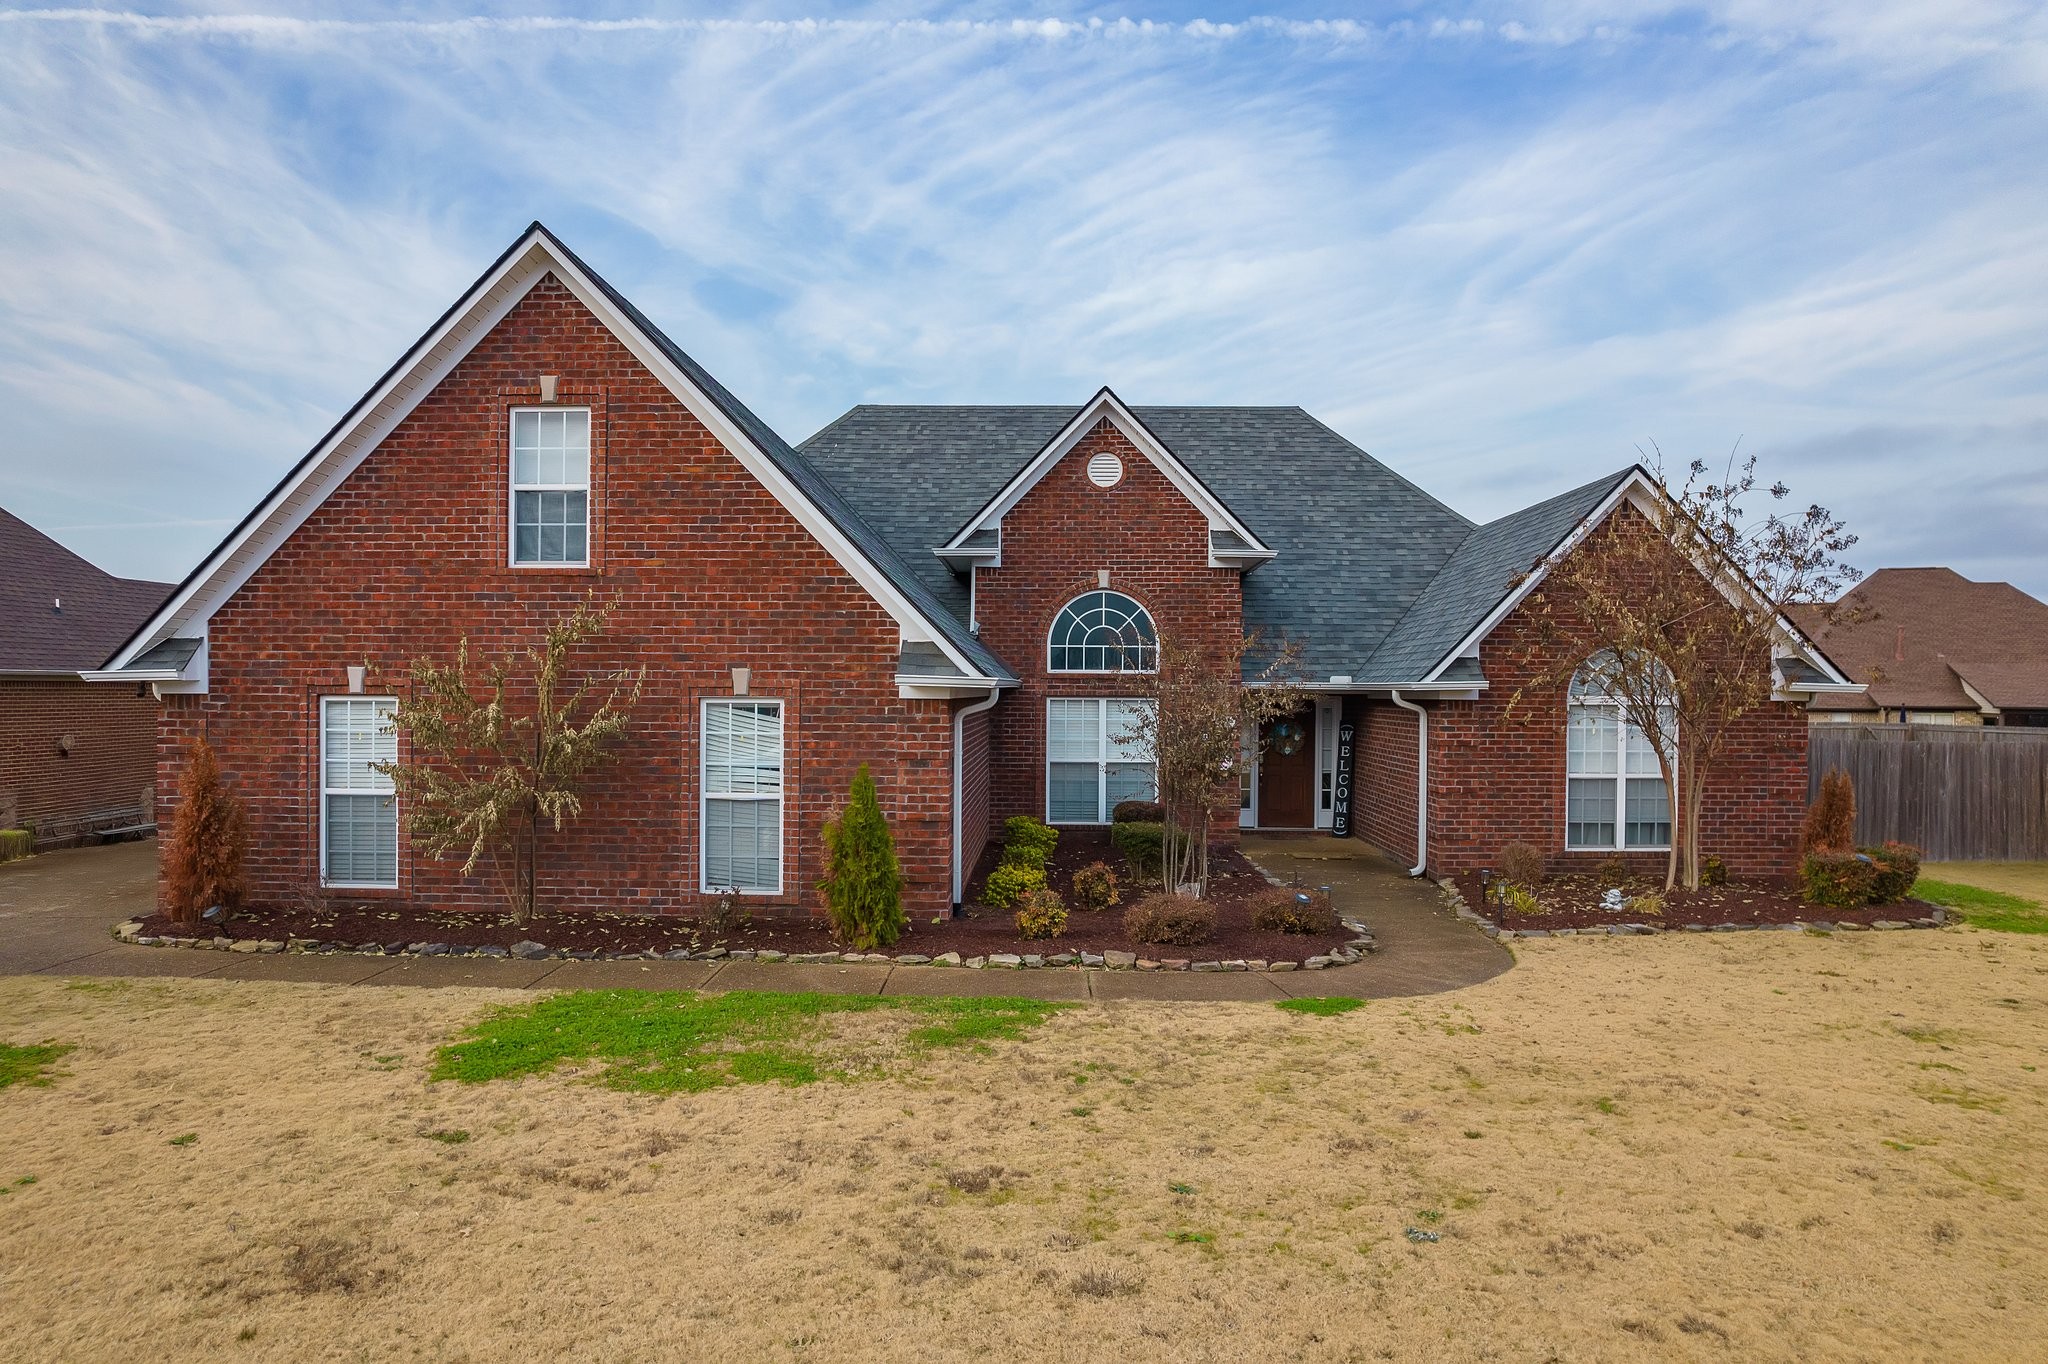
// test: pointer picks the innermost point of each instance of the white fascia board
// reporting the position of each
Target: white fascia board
(945, 688)
(1107, 404)
(1983, 704)
(445, 347)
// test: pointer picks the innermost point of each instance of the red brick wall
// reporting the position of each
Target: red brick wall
(409, 556)
(111, 765)
(1383, 779)
(1155, 544)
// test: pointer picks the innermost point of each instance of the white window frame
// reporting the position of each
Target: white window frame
(514, 487)
(391, 702)
(705, 796)
(1143, 611)
(1103, 760)
(1621, 777)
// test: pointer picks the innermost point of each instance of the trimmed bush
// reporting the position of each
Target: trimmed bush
(1024, 855)
(1095, 887)
(1713, 871)
(209, 838)
(1009, 883)
(1281, 910)
(1613, 871)
(1041, 914)
(1898, 867)
(16, 843)
(1522, 864)
(1138, 812)
(1023, 831)
(1173, 920)
(1839, 880)
(1140, 841)
(1831, 819)
(863, 883)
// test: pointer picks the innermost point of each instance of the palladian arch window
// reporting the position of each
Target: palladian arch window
(1614, 791)
(1103, 632)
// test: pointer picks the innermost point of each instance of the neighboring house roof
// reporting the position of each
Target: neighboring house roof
(1354, 542)
(1927, 638)
(535, 254)
(62, 613)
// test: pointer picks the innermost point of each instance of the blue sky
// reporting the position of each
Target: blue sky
(1501, 246)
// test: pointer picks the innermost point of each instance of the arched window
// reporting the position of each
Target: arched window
(1103, 632)
(1614, 790)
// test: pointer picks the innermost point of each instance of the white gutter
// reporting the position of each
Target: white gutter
(1421, 782)
(959, 735)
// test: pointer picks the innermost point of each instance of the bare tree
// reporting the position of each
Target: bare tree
(494, 755)
(1201, 709)
(1679, 612)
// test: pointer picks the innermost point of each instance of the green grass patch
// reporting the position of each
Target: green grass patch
(1321, 1007)
(30, 1065)
(447, 1136)
(1990, 909)
(185, 1140)
(668, 1041)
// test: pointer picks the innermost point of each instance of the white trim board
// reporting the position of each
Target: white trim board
(1106, 404)
(531, 259)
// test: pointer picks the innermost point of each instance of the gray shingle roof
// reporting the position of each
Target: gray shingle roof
(1477, 578)
(1355, 541)
(98, 610)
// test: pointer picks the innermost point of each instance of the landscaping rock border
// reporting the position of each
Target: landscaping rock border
(1361, 945)
(1456, 900)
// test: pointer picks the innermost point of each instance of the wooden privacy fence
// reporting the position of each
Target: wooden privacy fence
(1959, 792)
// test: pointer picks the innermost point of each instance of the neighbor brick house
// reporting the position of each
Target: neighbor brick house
(76, 757)
(953, 596)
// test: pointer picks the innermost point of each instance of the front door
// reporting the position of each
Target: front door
(1287, 772)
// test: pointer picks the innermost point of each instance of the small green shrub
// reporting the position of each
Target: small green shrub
(1023, 831)
(1009, 883)
(1839, 880)
(863, 882)
(1024, 855)
(1141, 843)
(1173, 920)
(1898, 867)
(16, 843)
(1648, 905)
(1138, 812)
(1041, 914)
(1713, 871)
(1520, 900)
(1281, 910)
(1095, 887)
(1521, 864)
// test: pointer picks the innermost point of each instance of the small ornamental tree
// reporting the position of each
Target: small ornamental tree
(1201, 710)
(495, 754)
(209, 838)
(863, 884)
(1831, 819)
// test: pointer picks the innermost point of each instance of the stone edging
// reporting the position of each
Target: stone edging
(1456, 900)
(1361, 944)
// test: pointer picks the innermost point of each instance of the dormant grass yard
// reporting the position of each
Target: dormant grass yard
(1730, 1147)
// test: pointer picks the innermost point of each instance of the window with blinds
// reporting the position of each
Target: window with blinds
(1094, 758)
(551, 486)
(742, 818)
(358, 804)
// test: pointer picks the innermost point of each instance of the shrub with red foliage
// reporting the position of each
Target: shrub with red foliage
(1831, 819)
(209, 838)
(1174, 920)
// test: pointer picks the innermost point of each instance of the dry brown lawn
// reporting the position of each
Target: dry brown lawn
(1741, 1147)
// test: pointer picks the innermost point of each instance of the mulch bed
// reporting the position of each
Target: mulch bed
(978, 932)
(1573, 901)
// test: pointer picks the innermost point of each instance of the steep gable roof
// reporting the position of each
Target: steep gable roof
(536, 255)
(62, 612)
(1926, 638)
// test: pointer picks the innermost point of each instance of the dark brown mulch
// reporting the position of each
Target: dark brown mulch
(1573, 901)
(978, 932)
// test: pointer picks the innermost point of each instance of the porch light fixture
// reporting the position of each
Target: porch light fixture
(547, 388)
(740, 678)
(356, 673)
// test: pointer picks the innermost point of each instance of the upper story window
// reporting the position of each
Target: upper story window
(1103, 632)
(1615, 796)
(551, 486)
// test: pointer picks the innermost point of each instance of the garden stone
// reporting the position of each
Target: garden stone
(1532, 932)
(741, 954)
(1174, 964)
(431, 949)
(1236, 964)
(1283, 966)
(771, 954)
(1060, 959)
(1008, 960)
(1255, 965)
(394, 949)
(1119, 961)
(491, 949)
(1208, 966)
(843, 956)
(878, 958)
(581, 954)
(975, 963)
(1853, 927)
(150, 942)
(1926, 923)
(1822, 926)
(677, 954)
(711, 954)
(946, 959)
(270, 946)
(1091, 959)
(246, 945)
(1888, 924)
(913, 959)
(1032, 959)
(529, 950)
(1315, 964)
(1695, 928)
(1490, 930)
(1147, 964)
(814, 958)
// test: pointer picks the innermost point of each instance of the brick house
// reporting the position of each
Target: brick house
(947, 594)
(76, 757)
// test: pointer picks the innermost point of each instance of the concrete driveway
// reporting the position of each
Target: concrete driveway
(56, 911)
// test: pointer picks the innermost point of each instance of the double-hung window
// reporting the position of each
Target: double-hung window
(551, 486)
(743, 796)
(358, 804)
(1615, 796)
(1094, 757)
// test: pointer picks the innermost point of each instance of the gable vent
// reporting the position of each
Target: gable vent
(1105, 470)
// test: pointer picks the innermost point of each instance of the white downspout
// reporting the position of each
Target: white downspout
(1421, 783)
(959, 735)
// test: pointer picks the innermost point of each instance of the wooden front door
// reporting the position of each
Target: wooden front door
(1287, 772)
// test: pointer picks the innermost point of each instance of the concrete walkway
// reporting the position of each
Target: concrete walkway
(56, 911)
